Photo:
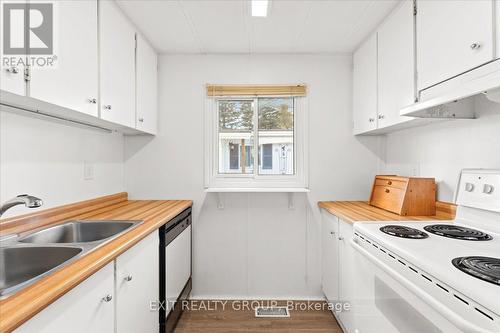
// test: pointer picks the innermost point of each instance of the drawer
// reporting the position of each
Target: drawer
(388, 198)
(391, 182)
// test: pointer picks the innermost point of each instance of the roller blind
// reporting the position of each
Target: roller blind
(256, 90)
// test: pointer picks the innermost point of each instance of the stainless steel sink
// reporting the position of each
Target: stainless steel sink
(78, 232)
(25, 260)
(21, 265)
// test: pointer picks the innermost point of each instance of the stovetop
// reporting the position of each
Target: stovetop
(435, 254)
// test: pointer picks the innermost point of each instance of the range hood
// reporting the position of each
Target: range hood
(458, 102)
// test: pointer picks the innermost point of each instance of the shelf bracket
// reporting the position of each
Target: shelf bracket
(291, 200)
(220, 200)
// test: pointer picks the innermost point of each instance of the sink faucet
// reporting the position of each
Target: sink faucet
(23, 199)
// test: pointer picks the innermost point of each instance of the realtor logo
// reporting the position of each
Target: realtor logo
(28, 28)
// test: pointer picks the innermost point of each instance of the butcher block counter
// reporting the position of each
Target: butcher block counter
(24, 304)
(352, 211)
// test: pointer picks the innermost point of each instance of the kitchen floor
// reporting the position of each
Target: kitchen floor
(230, 318)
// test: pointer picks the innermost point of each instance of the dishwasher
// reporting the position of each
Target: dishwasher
(175, 269)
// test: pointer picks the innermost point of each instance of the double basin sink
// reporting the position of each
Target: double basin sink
(27, 259)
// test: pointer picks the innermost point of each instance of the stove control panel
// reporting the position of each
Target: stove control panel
(479, 188)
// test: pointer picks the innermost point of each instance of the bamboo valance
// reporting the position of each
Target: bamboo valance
(256, 90)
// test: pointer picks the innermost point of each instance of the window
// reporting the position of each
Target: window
(267, 156)
(256, 141)
(274, 132)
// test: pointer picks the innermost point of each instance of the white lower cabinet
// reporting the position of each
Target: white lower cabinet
(116, 298)
(330, 256)
(89, 307)
(340, 273)
(137, 285)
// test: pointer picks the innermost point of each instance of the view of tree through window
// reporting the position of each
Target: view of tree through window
(275, 133)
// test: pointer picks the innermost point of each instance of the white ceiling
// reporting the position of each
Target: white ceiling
(226, 26)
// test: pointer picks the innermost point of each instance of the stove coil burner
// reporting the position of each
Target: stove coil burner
(484, 268)
(457, 232)
(403, 232)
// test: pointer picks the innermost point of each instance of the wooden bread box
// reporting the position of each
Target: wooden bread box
(405, 195)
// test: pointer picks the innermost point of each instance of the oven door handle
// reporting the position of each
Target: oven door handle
(438, 306)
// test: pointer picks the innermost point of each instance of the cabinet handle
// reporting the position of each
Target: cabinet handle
(341, 238)
(389, 182)
(141, 120)
(13, 70)
(381, 116)
(475, 46)
(107, 107)
(332, 232)
(371, 120)
(387, 190)
(107, 298)
(92, 101)
(128, 278)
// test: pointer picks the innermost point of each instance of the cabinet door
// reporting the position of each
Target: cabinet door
(396, 65)
(81, 310)
(452, 37)
(147, 86)
(117, 64)
(12, 73)
(365, 86)
(330, 256)
(137, 285)
(73, 80)
(346, 282)
(178, 254)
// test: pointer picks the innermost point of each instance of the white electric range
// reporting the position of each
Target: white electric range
(434, 276)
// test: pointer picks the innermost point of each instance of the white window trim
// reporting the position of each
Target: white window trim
(214, 180)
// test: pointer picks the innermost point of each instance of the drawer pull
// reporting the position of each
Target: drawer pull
(128, 278)
(389, 182)
(387, 190)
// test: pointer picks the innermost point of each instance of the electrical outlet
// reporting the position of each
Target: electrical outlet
(88, 170)
(415, 170)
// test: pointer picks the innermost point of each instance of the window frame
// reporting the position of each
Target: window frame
(214, 179)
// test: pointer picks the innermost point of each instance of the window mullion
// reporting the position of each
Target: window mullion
(255, 137)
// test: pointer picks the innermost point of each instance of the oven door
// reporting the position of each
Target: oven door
(382, 302)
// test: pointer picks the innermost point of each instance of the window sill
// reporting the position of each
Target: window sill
(257, 190)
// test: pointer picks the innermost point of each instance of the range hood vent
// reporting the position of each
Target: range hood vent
(458, 102)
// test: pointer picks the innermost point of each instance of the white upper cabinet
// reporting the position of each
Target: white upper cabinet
(147, 86)
(117, 65)
(73, 81)
(89, 307)
(452, 37)
(11, 75)
(396, 65)
(137, 284)
(365, 86)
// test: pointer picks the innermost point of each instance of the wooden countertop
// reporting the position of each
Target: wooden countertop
(352, 211)
(19, 307)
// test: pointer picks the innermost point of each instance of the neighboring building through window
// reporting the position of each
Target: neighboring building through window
(270, 121)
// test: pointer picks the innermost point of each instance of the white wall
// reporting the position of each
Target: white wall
(45, 158)
(442, 149)
(255, 247)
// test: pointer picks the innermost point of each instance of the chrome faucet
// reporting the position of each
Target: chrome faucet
(23, 199)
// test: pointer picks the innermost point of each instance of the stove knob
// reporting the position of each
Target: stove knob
(488, 189)
(469, 187)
